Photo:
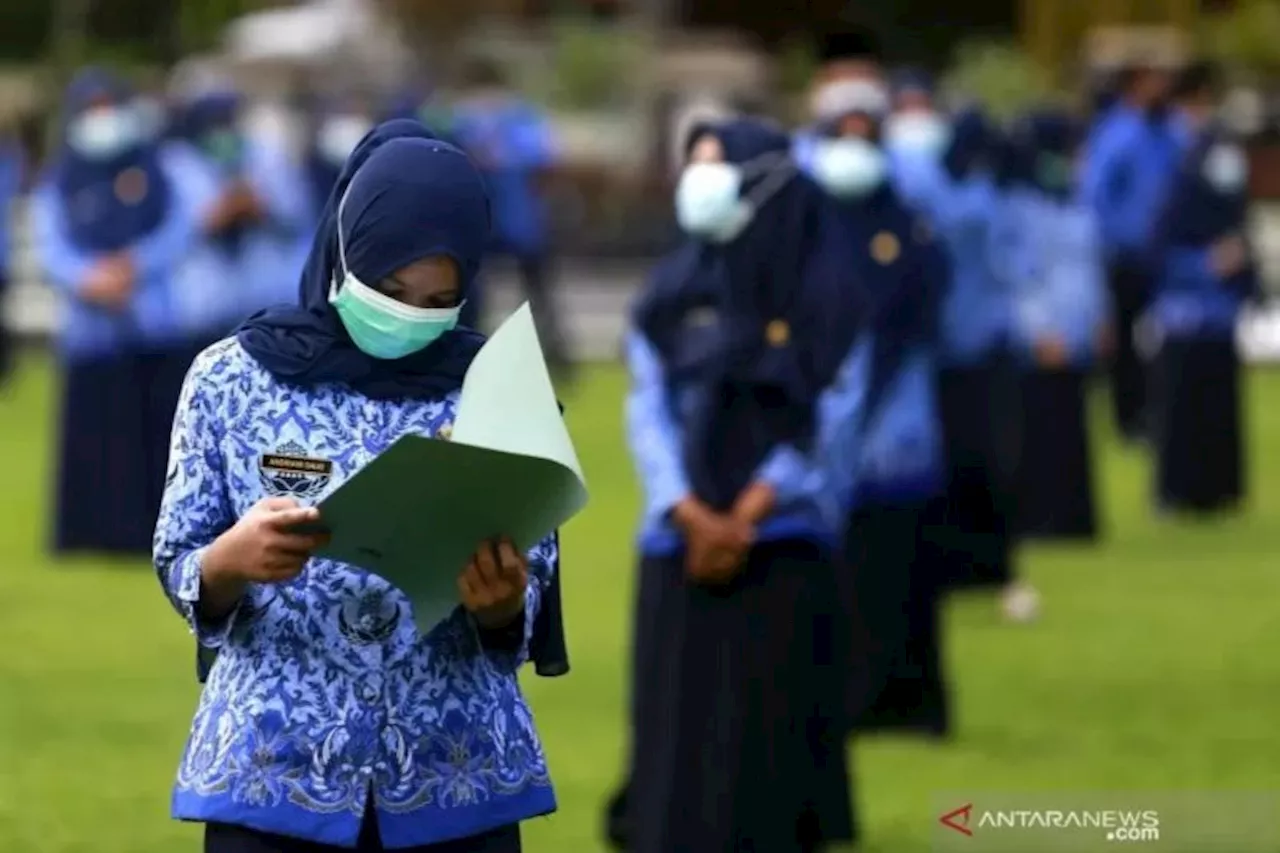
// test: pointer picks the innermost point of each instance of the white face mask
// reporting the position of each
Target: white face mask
(104, 133)
(917, 132)
(1226, 169)
(339, 136)
(709, 201)
(849, 167)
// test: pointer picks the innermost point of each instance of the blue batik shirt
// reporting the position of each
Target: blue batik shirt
(325, 698)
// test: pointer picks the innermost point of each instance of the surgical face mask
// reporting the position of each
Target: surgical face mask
(919, 132)
(849, 167)
(105, 133)
(382, 327)
(709, 200)
(225, 147)
(1226, 169)
(340, 135)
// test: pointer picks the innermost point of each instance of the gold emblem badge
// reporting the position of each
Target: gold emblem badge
(131, 186)
(777, 333)
(885, 248)
(445, 432)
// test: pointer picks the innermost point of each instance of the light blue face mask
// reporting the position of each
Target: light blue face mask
(917, 132)
(1226, 169)
(849, 167)
(380, 326)
(709, 201)
(105, 133)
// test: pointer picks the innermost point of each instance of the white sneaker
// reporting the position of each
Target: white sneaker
(1020, 603)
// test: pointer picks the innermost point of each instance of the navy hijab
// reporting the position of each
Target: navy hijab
(1198, 213)
(408, 196)
(109, 204)
(1045, 145)
(974, 144)
(785, 310)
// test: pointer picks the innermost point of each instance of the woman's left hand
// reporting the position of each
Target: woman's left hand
(492, 585)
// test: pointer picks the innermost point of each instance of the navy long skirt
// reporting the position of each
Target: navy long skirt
(896, 585)
(982, 421)
(1199, 425)
(113, 448)
(1055, 480)
(737, 709)
(104, 495)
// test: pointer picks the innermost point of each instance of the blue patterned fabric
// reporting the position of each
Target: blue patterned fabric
(324, 697)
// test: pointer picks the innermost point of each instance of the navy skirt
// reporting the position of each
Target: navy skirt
(113, 449)
(737, 713)
(1055, 478)
(973, 529)
(895, 581)
(1199, 425)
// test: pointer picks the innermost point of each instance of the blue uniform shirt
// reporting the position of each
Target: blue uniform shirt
(10, 186)
(1128, 167)
(977, 312)
(151, 320)
(1050, 253)
(512, 142)
(805, 508)
(324, 697)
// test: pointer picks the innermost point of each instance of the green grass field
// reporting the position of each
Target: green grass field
(1154, 665)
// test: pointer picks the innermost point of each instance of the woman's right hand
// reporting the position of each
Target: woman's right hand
(109, 283)
(263, 546)
(716, 544)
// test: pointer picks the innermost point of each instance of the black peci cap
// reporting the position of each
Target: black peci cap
(847, 42)
(1198, 78)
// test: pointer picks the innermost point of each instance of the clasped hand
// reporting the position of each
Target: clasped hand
(264, 546)
(716, 544)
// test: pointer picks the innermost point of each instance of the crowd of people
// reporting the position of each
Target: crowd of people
(858, 383)
(862, 380)
(163, 223)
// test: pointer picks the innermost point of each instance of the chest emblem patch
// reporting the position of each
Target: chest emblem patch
(290, 472)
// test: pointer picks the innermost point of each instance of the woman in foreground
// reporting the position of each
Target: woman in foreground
(328, 722)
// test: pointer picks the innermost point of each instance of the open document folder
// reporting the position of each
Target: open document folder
(416, 513)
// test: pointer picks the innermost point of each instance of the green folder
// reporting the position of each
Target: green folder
(415, 514)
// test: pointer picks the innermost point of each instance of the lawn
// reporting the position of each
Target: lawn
(1153, 667)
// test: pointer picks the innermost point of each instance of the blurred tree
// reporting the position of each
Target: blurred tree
(592, 65)
(1246, 35)
(438, 27)
(1000, 75)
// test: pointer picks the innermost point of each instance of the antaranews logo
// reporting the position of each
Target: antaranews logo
(1114, 824)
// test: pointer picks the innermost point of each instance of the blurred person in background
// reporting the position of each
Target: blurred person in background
(736, 707)
(1051, 252)
(11, 174)
(1130, 161)
(328, 721)
(258, 212)
(336, 125)
(888, 455)
(916, 135)
(1206, 270)
(112, 219)
(514, 145)
(978, 381)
